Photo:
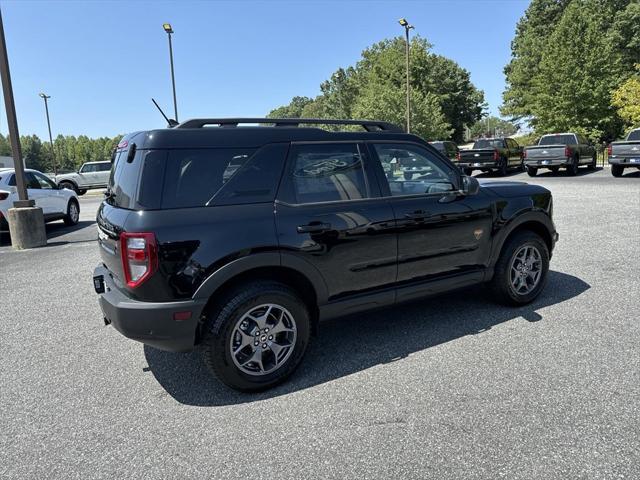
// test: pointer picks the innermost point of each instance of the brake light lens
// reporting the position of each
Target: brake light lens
(609, 149)
(139, 253)
(496, 155)
(567, 152)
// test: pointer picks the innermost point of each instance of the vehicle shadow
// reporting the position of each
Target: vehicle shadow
(352, 344)
(582, 172)
(54, 230)
(495, 174)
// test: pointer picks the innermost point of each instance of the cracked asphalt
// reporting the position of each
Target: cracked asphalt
(452, 387)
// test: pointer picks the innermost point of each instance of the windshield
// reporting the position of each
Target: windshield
(488, 143)
(634, 135)
(558, 140)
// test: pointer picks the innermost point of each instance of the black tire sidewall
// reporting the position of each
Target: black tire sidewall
(68, 220)
(217, 351)
(532, 172)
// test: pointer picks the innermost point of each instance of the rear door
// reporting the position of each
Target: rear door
(440, 232)
(102, 174)
(329, 214)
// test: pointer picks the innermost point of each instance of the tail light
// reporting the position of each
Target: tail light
(609, 149)
(524, 154)
(458, 156)
(567, 152)
(139, 253)
(496, 155)
(4, 195)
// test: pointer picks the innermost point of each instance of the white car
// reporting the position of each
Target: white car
(56, 203)
(90, 175)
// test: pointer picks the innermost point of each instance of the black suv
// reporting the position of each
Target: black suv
(240, 240)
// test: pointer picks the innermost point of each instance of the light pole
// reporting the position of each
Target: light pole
(169, 30)
(46, 97)
(407, 27)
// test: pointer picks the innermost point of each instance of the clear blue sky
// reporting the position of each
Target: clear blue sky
(102, 61)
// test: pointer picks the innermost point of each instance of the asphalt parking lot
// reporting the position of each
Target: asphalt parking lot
(453, 387)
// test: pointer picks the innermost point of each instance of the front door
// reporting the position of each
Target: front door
(329, 213)
(440, 232)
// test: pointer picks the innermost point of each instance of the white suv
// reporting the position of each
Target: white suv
(90, 175)
(56, 203)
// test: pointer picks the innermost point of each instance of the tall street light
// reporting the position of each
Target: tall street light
(169, 30)
(46, 97)
(407, 27)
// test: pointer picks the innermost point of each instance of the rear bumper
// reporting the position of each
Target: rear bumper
(624, 161)
(149, 322)
(548, 162)
(479, 165)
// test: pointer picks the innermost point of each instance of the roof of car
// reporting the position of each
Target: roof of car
(231, 135)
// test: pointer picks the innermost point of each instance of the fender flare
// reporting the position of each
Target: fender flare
(532, 216)
(72, 182)
(260, 260)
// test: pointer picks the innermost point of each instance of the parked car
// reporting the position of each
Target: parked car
(625, 154)
(313, 225)
(90, 175)
(491, 154)
(56, 203)
(447, 148)
(560, 150)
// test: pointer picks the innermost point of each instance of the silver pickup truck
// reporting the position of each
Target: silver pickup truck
(560, 150)
(625, 154)
(90, 175)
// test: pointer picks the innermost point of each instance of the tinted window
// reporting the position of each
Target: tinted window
(412, 170)
(326, 172)
(488, 143)
(557, 140)
(193, 177)
(31, 180)
(44, 182)
(123, 180)
(12, 181)
(634, 135)
(89, 168)
(440, 147)
(104, 167)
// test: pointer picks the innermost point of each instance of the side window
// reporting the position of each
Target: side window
(413, 170)
(88, 168)
(31, 181)
(194, 176)
(44, 182)
(104, 167)
(12, 181)
(325, 173)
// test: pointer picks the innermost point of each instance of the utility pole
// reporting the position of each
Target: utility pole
(26, 222)
(46, 97)
(407, 27)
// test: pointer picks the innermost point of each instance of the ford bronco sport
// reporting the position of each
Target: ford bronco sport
(240, 240)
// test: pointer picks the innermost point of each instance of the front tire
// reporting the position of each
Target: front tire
(257, 336)
(532, 171)
(503, 169)
(73, 213)
(521, 271)
(617, 170)
(572, 170)
(68, 186)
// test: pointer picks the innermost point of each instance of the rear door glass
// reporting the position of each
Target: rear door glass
(123, 181)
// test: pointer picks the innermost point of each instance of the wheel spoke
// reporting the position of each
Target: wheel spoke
(255, 358)
(276, 348)
(245, 341)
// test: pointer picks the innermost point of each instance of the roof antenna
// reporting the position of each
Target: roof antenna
(170, 121)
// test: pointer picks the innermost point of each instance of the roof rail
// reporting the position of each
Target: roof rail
(368, 125)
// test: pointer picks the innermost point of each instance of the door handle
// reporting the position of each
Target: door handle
(314, 227)
(417, 215)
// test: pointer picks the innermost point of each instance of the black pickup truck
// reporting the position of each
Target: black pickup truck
(560, 150)
(625, 154)
(491, 154)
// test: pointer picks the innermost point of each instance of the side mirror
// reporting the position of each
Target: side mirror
(470, 185)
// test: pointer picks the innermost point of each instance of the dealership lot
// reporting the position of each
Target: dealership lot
(445, 388)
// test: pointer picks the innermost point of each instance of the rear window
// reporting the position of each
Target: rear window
(634, 135)
(487, 143)
(558, 140)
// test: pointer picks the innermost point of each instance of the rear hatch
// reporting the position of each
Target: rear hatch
(546, 151)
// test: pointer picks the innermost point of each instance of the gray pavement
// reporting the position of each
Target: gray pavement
(453, 387)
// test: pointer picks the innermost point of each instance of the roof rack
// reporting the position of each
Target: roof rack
(368, 125)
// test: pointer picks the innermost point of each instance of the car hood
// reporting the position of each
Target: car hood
(512, 189)
(64, 176)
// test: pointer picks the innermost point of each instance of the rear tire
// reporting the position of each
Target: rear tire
(73, 213)
(512, 264)
(617, 170)
(532, 171)
(240, 318)
(572, 170)
(504, 169)
(555, 170)
(593, 164)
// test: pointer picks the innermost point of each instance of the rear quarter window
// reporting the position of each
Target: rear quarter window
(123, 181)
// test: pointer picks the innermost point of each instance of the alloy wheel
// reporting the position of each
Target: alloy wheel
(526, 270)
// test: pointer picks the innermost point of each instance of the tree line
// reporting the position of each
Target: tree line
(574, 67)
(70, 151)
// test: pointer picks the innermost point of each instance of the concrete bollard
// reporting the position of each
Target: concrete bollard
(26, 226)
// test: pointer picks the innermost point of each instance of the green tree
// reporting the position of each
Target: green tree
(626, 98)
(292, 110)
(487, 126)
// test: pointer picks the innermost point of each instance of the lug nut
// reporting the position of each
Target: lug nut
(264, 345)
(266, 329)
(256, 343)
(270, 337)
